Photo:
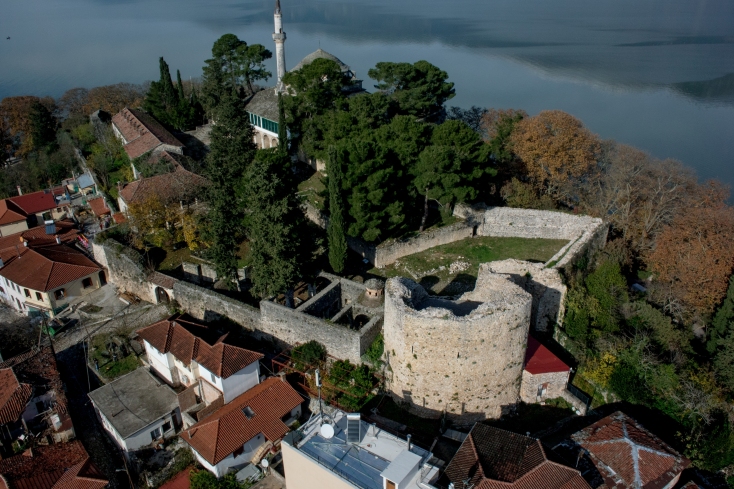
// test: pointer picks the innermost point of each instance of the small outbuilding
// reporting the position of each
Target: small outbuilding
(545, 376)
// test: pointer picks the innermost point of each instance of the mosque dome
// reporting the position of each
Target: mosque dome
(320, 54)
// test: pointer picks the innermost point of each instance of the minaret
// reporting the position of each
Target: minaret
(279, 38)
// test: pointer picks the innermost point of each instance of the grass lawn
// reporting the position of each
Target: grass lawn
(174, 258)
(312, 188)
(433, 268)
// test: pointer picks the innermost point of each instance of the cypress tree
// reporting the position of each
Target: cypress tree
(232, 151)
(335, 231)
(282, 129)
(276, 226)
(722, 322)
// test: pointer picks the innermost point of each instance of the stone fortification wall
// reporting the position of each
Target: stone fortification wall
(390, 251)
(208, 304)
(124, 268)
(464, 357)
(544, 284)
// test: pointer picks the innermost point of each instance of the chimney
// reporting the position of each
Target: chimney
(282, 376)
(409, 442)
(20, 192)
(58, 240)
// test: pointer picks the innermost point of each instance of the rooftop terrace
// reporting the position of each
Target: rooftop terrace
(378, 454)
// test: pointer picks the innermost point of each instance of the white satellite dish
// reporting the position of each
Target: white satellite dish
(327, 431)
(265, 463)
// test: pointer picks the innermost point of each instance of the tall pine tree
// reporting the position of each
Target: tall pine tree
(282, 127)
(279, 243)
(231, 152)
(335, 231)
(723, 322)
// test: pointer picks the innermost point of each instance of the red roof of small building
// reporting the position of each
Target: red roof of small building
(99, 206)
(66, 231)
(142, 132)
(14, 396)
(492, 458)
(540, 360)
(119, 217)
(35, 202)
(178, 185)
(186, 340)
(627, 455)
(45, 268)
(182, 480)
(229, 428)
(58, 466)
(37, 367)
(10, 213)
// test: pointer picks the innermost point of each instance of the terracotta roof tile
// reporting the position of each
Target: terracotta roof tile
(627, 455)
(59, 466)
(37, 367)
(45, 268)
(35, 202)
(14, 396)
(540, 360)
(182, 480)
(188, 340)
(228, 428)
(99, 206)
(119, 217)
(142, 132)
(161, 279)
(491, 458)
(10, 213)
(65, 229)
(180, 184)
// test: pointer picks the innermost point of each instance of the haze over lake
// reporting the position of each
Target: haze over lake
(657, 74)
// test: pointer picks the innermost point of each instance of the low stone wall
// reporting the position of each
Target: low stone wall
(208, 304)
(390, 251)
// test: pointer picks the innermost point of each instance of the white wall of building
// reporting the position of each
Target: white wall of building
(232, 462)
(240, 382)
(142, 438)
(159, 361)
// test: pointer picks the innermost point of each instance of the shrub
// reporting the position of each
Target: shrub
(309, 353)
(376, 349)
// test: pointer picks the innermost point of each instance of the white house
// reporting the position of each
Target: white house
(243, 431)
(137, 409)
(184, 352)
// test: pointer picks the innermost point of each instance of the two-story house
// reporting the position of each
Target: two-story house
(26, 211)
(42, 278)
(140, 134)
(185, 352)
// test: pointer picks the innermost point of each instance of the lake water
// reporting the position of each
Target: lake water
(657, 74)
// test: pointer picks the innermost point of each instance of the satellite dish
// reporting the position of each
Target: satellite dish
(327, 431)
(265, 463)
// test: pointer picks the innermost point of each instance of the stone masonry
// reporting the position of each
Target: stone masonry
(462, 357)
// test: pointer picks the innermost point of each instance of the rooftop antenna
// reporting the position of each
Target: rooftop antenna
(326, 430)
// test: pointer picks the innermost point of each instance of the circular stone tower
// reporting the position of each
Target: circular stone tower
(464, 356)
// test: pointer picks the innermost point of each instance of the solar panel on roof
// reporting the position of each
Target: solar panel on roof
(354, 424)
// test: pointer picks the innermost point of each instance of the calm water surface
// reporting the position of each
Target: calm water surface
(656, 74)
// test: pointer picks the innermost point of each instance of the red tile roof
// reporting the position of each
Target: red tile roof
(491, 458)
(142, 132)
(187, 340)
(178, 185)
(182, 480)
(228, 428)
(59, 466)
(37, 367)
(540, 360)
(10, 213)
(119, 217)
(35, 202)
(627, 455)
(164, 281)
(65, 230)
(14, 396)
(99, 206)
(46, 268)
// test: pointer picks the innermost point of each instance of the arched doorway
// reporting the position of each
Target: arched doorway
(161, 295)
(102, 278)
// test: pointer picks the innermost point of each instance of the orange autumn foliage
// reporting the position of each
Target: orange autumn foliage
(555, 147)
(694, 255)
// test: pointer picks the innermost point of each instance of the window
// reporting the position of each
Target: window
(39, 297)
(156, 434)
(27, 292)
(87, 282)
(166, 427)
(60, 294)
(248, 412)
(239, 451)
(214, 379)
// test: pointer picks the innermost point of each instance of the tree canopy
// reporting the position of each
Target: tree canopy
(169, 104)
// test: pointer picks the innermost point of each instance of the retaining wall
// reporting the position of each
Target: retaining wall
(124, 268)
(390, 251)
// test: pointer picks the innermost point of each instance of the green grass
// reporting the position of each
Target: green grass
(426, 266)
(312, 188)
(174, 258)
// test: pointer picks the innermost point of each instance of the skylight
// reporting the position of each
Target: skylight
(248, 412)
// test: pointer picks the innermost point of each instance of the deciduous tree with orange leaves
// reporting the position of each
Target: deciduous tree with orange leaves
(694, 256)
(555, 147)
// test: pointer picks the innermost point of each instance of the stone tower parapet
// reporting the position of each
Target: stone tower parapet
(463, 356)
